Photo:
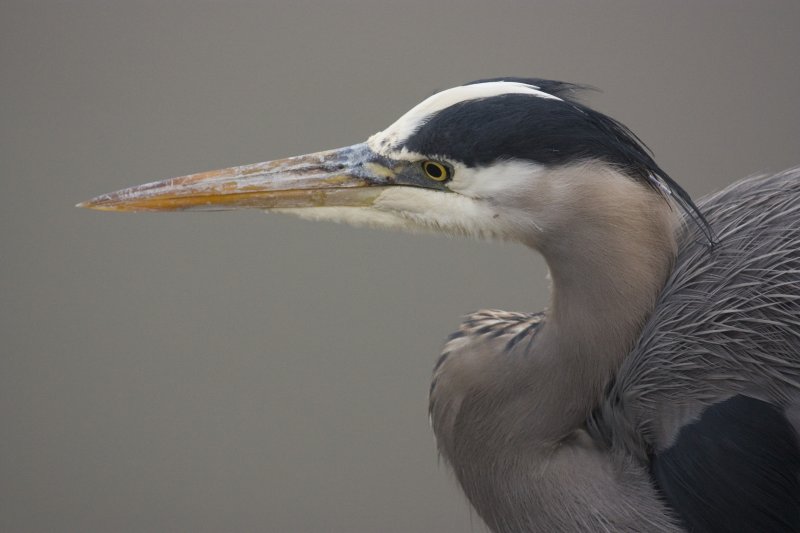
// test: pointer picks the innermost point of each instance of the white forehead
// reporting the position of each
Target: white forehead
(406, 125)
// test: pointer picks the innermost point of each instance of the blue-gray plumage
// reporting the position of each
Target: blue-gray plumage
(660, 389)
(725, 328)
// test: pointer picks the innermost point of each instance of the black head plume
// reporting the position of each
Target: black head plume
(550, 131)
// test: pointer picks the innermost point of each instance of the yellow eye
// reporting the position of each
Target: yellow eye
(435, 170)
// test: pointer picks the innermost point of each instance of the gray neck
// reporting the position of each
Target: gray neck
(513, 427)
(608, 263)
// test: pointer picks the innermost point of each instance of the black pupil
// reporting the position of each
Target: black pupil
(434, 171)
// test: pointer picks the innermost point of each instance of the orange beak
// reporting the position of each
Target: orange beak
(351, 176)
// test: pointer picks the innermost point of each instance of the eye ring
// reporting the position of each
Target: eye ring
(435, 170)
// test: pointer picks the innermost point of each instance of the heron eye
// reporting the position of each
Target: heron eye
(435, 170)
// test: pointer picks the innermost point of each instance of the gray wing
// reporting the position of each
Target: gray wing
(709, 394)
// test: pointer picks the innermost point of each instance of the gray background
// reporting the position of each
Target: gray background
(242, 371)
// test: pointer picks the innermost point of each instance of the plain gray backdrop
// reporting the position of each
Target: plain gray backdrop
(242, 371)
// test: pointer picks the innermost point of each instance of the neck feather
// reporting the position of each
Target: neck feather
(610, 251)
(511, 424)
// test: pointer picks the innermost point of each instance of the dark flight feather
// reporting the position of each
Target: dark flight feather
(734, 469)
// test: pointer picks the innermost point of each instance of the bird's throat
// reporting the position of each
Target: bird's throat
(606, 277)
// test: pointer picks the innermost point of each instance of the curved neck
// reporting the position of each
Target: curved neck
(614, 249)
(518, 457)
(510, 420)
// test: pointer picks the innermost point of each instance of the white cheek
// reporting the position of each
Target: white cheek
(507, 180)
(452, 213)
(486, 203)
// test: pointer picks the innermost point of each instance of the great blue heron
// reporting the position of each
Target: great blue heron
(659, 390)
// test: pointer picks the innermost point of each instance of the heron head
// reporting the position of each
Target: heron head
(497, 158)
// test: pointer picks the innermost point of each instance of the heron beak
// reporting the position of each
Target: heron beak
(352, 176)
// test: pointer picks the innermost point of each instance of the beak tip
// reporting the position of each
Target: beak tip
(100, 203)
